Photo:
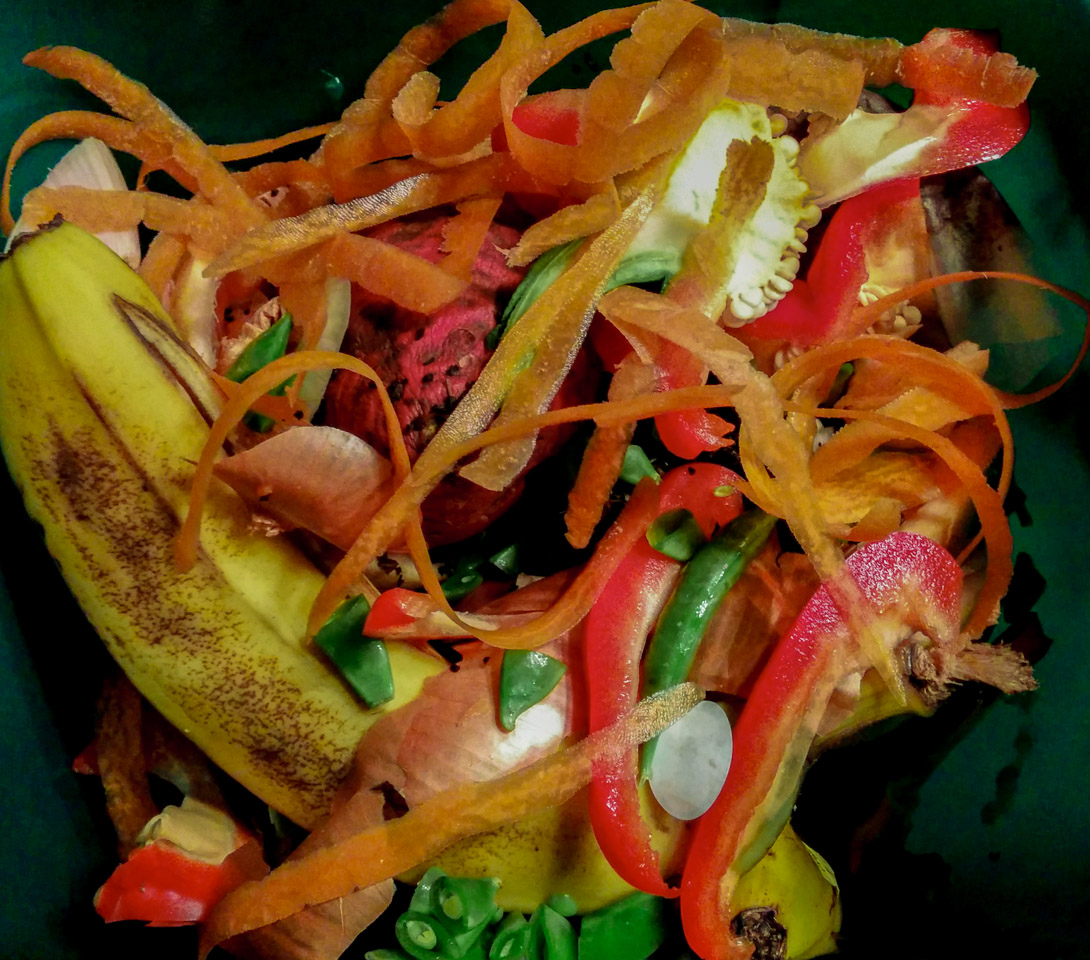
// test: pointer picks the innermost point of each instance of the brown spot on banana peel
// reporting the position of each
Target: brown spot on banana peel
(115, 507)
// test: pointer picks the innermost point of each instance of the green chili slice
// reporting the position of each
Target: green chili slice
(676, 534)
(363, 661)
(526, 677)
(553, 937)
(713, 570)
(260, 352)
(630, 929)
(512, 939)
(637, 465)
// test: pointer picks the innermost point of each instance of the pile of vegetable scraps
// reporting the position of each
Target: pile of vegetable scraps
(637, 450)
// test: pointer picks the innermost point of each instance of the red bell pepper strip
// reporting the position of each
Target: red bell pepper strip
(982, 131)
(944, 129)
(396, 607)
(614, 633)
(819, 309)
(911, 583)
(685, 433)
(164, 885)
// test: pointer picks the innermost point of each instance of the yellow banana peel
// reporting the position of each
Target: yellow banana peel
(103, 412)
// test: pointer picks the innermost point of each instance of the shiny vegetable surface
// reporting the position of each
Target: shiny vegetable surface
(424, 137)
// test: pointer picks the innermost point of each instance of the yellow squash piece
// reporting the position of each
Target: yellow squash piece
(797, 883)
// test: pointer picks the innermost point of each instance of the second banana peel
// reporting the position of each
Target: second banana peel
(100, 425)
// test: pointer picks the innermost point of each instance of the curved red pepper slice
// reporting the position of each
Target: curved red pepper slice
(982, 131)
(614, 633)
(944, 129)
(911, 582)
(819, 308)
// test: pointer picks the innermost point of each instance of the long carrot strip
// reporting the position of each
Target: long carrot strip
(115, 132)
(134, 101)
(866, 316)
(97, 210)
(548, 335)
(390, 271)
(433, 825)
(161, 263)
(230, 152)
(603, 458)
(573, 604)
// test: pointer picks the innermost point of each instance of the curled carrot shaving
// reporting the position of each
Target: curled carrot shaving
(464, 233)
(920, 405)
(367, 131)
(375, 177)
(987, 501)
(553, 162)
(866, 316)
(269, 176)
(228, 153)
(428, 41)
(435, 824)
(879, 56)
(594, 214)
(241, 399)
(421, 192)
(693, 80)
(938, 371)
(460, 125)
(115, 132)
(96, 210)
(134, 101)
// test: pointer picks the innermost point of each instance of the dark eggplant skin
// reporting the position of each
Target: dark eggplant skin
(971, 227)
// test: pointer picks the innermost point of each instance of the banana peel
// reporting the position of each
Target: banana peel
(103, 412)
